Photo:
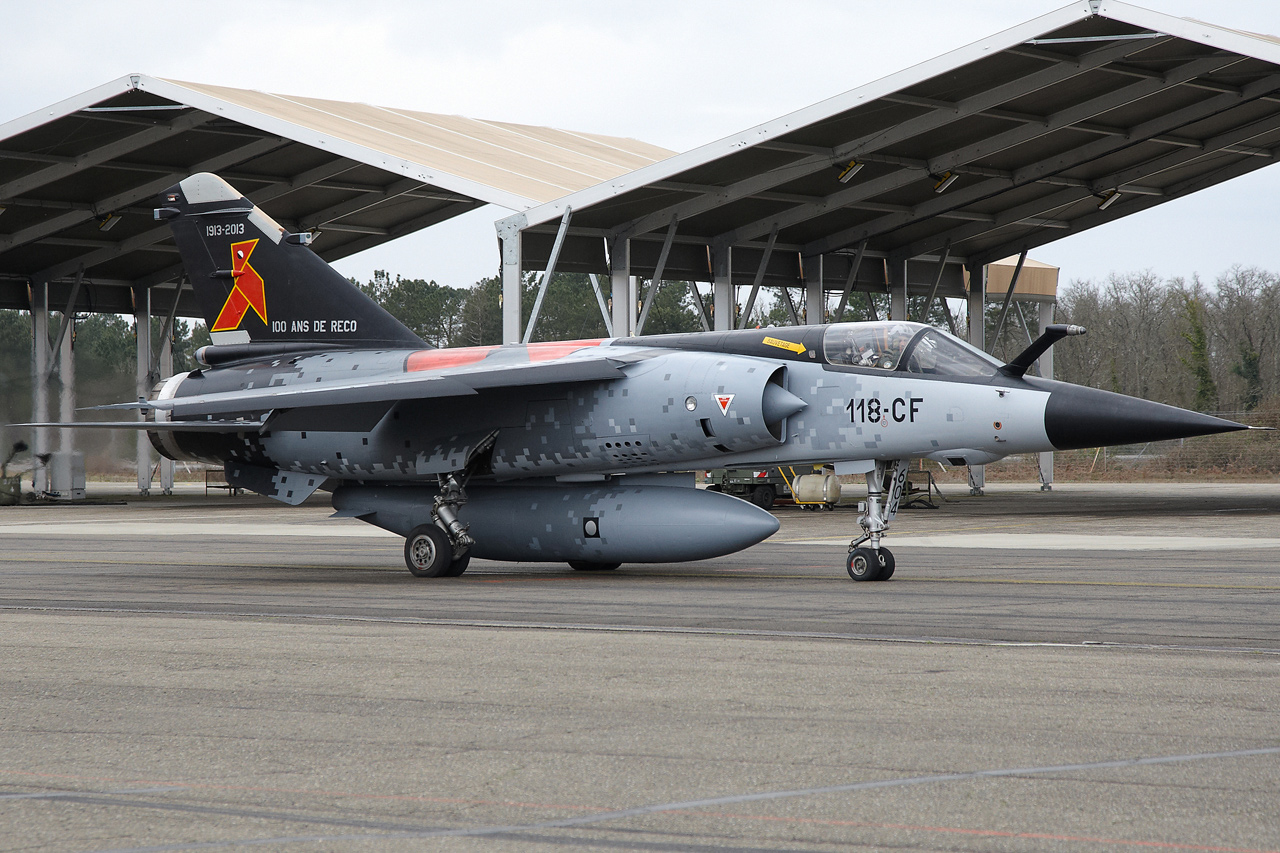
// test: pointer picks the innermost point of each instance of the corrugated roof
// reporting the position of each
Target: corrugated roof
(77, 178)
(513, 165)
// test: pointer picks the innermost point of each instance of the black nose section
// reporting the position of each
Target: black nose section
(1088, 417)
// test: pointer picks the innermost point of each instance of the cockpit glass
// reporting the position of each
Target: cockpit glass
(906, 347)
(936, 354)
(878, 345)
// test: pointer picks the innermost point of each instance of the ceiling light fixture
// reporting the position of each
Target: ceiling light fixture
(847, 172)
(107, 222)
(943, 181)
(1109, 198)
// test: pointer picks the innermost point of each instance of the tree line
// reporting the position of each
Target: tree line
(446, 316)
(1177, 341)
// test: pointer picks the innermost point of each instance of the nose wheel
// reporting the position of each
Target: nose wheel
(870, 564)
(884, 493)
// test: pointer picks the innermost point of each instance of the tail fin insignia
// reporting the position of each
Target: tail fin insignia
(311, 302)
(248, 291)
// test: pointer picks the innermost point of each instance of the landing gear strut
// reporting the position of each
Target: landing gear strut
(440, 548)
(873, 562)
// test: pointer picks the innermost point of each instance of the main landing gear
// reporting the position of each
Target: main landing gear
(870, 561)
(440, 548)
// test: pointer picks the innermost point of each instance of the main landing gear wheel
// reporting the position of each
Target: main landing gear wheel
(427, 552)
(870, 564)
(457, 567)
(585, 566)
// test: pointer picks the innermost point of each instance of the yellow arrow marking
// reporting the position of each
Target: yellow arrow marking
(786, 345)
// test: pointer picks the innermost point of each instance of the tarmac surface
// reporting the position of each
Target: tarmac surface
(1094, 668)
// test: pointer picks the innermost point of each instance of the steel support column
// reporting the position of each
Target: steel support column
(142, 320)
(166, 370)
(815, 298)
(633, 304)
(755, 284)
(604, 307)
(40, 382)
(620, 281)
(722, 288)
(937, 280)
(548, 274)
(848, 285)
(509, 236)
(1046, 372)
(897, 289)
(977, 338)
(658, 272)
(1008, 298)
(66, 389)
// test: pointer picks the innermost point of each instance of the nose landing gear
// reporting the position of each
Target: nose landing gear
(875, 563)
(870, 564)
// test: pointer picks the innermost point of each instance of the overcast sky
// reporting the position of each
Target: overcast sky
(676, 74)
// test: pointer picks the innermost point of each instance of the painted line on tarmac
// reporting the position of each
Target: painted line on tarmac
(62, 795)
(1055, 542)
(479, 575)
(984, 833)
(677, 630)
(993, 541)
(1136, 584)
(735, 799)
(154, 529)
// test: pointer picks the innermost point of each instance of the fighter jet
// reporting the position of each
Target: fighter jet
(571, 451)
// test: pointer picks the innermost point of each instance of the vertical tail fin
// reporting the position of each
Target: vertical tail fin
(255, 282)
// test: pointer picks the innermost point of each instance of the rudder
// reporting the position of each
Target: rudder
(256, 282)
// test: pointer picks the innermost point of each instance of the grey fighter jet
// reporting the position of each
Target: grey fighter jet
(565, 452)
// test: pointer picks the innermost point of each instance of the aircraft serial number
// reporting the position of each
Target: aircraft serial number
(230, 229)
(870, 410)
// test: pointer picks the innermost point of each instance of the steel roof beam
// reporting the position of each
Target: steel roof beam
(323, 218)
(34, 157)
(1116, 211)
(86, 243)
(351, 229)
(1063, 69)
(682, 239)
(137, 194)
(169, 273)
(1029, 212)
(212, 126)
(1057, 163)
(416, 224)
(856, 197)
(1030, 118)
(957, 161)
(1084, 111)
(101, 154)
(1128, 70)
(58, 204)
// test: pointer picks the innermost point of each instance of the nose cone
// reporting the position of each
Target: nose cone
(780, 403)
(1077, 416)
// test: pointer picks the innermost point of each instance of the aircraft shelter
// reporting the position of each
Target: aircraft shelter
(910, 185)
(78, 180)
(1090, 113)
